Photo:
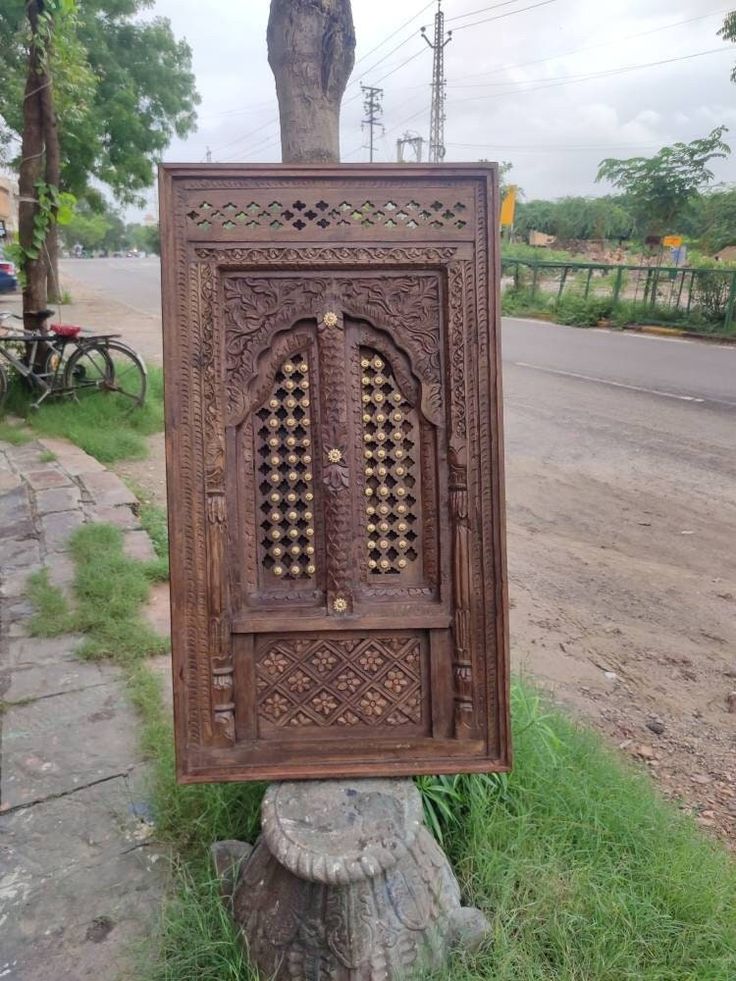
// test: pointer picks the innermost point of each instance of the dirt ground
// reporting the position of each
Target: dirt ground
(622, 575)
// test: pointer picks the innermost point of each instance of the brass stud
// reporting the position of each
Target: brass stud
(304, 367)
(398, 417)
(380, 417)
(369, 471)
(399, 453)
(295, 569)
(384, 509)
(273, 441)
(377, 363)
(378, 397)
(383, 544)
(368, 492)
(378, 380)
(275, 498)
(292, 459)
(384, 564)
(290, 440)
(306, 422)
(273, 423)
(295, 549)
(400, 471)
(277, 551)
(381, 454)
(275, 516)
(330, 319)
(291, 497)
(273, 404)
(275, 478)
(396, 397)
(368, 454)
(309, 549)
(365, 363)
(401, 563)
(290, 403)
(289, 385)
(334, 455)
(370, 510)
(384, 526)
(401, 491)
(304, 403)
(382, 471)
(292, 515)
(397, 435)
(366, 417)
(402, 543)
(381, 437)
(292, 476)
(290, 422)
(275, 534)
(288, 368)
(372, 563)
(309, 532)
(371, 528)
(339, 604)
(307, 459)
(305, 385)
(402, 526)
(308, 476)
(401, 509)
(373, 546)
(309, 496)
(293, 533)
(366, 399)
(384, 491)
(307, 515)
(278, 570)
(310, 570)
(365, 381)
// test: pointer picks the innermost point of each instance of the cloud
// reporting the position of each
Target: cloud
(519, 87)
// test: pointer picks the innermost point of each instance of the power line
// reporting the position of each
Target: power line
(396, 31)
(510, 13)
(584, 78)
(483, 10)
(593, 47)
(437, 112)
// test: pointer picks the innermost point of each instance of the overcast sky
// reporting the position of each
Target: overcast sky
(518, 86)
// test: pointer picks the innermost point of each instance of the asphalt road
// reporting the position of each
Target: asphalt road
(663, 368)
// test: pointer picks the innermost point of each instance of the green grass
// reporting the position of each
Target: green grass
(15, 433)
(585, 873)
(47, 456)
(153, 518)
(105, 429)
(109, 590)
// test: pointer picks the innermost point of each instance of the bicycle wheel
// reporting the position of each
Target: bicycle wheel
(110, 368)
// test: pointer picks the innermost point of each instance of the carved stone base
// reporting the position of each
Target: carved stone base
(345, 883)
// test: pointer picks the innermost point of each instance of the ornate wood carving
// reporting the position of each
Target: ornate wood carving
(319, 325)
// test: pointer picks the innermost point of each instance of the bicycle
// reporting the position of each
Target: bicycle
(96, 363)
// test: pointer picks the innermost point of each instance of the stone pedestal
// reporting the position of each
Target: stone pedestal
(345, 883)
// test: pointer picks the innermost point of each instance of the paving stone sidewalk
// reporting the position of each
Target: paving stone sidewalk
(80, 877)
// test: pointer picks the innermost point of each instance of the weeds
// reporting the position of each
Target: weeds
(15, 433)
(105, 429)
(109, 590)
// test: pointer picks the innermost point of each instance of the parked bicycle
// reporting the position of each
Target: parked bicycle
(65, 360)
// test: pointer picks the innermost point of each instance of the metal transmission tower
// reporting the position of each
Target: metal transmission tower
(414, 141)
(437, 119)
(373, 111)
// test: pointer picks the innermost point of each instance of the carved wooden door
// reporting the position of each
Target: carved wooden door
(347, 577)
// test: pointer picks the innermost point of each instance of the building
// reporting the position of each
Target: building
(8, 208)
(726, 255)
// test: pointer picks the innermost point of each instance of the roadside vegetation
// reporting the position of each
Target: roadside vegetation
(102, 427)
(584, 871)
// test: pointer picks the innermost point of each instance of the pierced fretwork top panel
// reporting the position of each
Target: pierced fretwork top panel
(289, 212)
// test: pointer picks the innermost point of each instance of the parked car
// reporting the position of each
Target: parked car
(7, 266)
(8, 283)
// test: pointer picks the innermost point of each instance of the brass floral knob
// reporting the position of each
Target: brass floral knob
(340, 604)
(334, 455)
(330, 319)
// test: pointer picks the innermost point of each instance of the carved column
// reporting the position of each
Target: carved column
(345, 884)
(223, 704)
(462, 664)
(337, 504)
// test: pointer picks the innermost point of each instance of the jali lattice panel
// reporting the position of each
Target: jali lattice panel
(335, 470)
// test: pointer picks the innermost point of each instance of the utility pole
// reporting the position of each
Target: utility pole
(414, 141)
(437, 115)
(209, 155)
(373, 111)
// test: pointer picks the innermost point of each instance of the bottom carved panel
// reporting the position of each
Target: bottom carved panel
(341, 683)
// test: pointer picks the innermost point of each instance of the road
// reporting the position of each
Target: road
(668, 368)
(621, 503)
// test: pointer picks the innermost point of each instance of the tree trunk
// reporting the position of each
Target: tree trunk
(53, 178)
(311, 51)
(31, 171)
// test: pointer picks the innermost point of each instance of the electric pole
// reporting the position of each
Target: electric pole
(437, 115)
(414, 141)
(373, 111)
(209, 155)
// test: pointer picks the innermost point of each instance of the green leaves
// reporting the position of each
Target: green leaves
(658, 188)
